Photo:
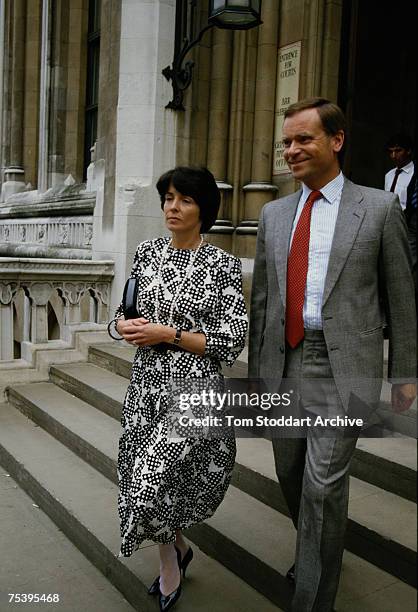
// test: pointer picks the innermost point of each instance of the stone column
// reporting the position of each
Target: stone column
(44, 97)
(14, 176)
(242, 122)
(39, 294)
(260, 190)
(7, 293)
(145, 136)
(193, 125)
(71, 295)
(2, 66)
(314, 34)
(76, 78)
(217, 148)
(31, 87)
(58, 90)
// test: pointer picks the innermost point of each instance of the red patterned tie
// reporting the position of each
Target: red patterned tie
(297, 271)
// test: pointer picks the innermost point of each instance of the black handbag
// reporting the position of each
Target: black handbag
(129, 305)
(130, 299)
(130, 311)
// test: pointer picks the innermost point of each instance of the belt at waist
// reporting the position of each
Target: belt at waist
(314, 334)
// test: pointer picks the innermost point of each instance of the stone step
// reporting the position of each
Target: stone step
(82, 502)
(386, 469)
(39, 554)
(93, 436)
(372, 532)
(93, 384)
(265, 545)
(117, 357)
(261, 555)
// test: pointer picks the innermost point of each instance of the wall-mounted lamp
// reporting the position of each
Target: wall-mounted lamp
(226, 14)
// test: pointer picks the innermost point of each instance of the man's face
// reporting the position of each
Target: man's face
(399, 156)
(310, 153)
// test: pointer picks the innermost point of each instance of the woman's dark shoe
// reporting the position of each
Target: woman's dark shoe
(155, 587)
(183, 563)
(186, 560)
(168, 601)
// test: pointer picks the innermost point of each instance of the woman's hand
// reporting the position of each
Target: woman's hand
(143, 333)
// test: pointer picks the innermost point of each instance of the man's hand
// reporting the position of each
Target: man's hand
(143, 333)
(403, 396)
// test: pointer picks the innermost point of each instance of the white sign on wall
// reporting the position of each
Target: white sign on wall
(288, 74)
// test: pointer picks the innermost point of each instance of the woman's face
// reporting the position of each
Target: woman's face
(182, 214)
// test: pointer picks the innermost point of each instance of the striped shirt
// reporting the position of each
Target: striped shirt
(323, 219)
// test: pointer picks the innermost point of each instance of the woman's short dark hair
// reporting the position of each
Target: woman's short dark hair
(199, 184)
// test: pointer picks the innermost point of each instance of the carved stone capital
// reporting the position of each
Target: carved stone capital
(39, 292)
(7, 292)
(101, 290)
(72, 292)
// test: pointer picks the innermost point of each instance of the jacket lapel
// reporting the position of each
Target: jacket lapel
(283, 228)
(349, 219)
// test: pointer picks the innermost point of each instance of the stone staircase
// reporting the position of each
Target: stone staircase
(64, 456)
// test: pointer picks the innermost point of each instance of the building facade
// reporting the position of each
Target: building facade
(86, 132)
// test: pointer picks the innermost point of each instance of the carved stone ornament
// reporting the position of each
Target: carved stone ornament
(42, 233)
(39, 292)
(88, 234)
(102, 291)
(63, 233)
(7, 292)
(72, 292)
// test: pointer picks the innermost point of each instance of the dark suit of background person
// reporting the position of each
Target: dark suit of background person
(369, 235)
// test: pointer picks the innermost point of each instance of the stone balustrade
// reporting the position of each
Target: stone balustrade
(36, 291)
(55, 227)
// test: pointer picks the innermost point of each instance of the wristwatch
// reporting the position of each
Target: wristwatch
(177, 337)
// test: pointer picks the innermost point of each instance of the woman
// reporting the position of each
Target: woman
(193, 318)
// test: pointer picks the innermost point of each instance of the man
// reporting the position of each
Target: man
(399, 148)
(328, 257)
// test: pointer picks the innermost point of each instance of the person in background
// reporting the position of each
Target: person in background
(399, 148)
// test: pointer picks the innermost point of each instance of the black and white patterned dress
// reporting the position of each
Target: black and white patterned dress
(168, 484)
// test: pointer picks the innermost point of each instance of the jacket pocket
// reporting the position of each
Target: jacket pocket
(374, 330)
(365, 244)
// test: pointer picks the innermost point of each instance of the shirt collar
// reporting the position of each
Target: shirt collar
(331, 191)
(408, 168)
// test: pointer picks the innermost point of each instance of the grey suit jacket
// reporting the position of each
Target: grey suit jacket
(368, 284)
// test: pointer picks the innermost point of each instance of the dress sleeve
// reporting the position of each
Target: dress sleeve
(226, 326)
(135, 271)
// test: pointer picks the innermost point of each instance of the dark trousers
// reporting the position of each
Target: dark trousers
(313, 474)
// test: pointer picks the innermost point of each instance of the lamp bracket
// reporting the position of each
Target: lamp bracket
(181, 76)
